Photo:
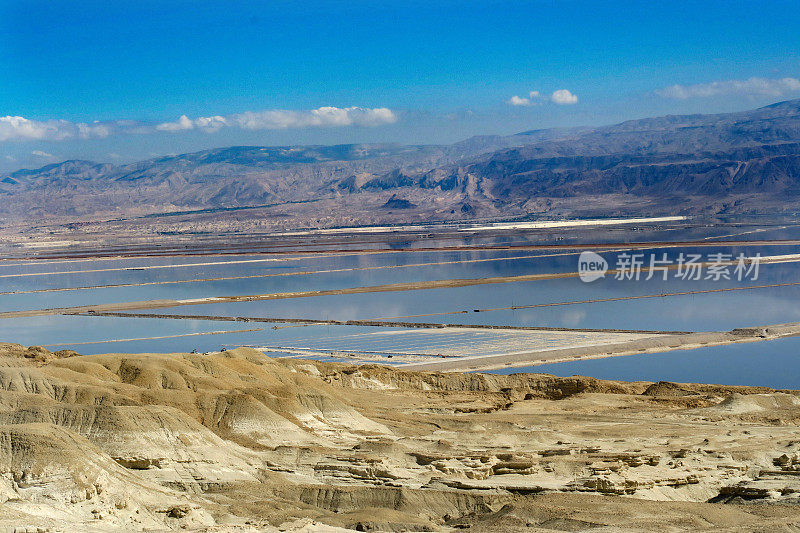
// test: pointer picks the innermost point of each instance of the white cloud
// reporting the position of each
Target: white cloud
(279, 119)
(750, 87)
(39, 153)
(96, 129)
(211, 123)
(183, 123)
(516, 100)
(15, 128)
(321, 117)
(12, 127)
(523, 101)
(11, 158)
(563, 97)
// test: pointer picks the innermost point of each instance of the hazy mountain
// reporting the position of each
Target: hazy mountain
(696, 161)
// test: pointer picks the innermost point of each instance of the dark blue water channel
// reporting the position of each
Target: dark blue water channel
(768, 364)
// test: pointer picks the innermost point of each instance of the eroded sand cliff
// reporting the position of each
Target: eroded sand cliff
(236, 441)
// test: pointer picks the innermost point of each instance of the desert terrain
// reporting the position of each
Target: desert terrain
(237, 441)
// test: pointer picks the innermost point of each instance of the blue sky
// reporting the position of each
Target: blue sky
(111, 80)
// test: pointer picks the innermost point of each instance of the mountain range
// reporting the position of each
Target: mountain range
(725, 163)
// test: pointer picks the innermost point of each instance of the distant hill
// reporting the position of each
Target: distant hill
(735, 162)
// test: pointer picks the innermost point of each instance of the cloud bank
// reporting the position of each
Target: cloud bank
(749, 87)
(21, 128)
(283, 119)
(16, 128)
(560, 97)
(563, 97)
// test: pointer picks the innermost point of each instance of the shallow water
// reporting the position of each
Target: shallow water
(769, 364)
(568, 302)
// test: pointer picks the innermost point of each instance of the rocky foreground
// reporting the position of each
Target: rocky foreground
(236, 441)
